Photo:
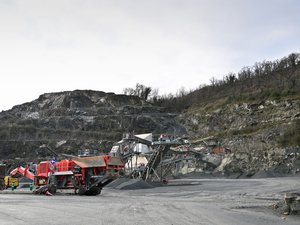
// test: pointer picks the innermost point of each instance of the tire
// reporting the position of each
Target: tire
(52, 189)
(81, 190)
(93, 191)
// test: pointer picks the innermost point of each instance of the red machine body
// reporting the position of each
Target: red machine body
(86, 175)
(23, 172)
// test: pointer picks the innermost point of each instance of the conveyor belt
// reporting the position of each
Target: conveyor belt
(154, 160)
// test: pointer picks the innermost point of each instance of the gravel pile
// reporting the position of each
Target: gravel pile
(129, 184)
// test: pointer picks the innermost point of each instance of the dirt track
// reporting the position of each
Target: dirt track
(197, 201)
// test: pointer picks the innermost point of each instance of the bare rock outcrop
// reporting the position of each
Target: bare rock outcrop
(253, 132)
(74, 120)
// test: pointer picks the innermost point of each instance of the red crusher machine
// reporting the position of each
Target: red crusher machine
(86, 175)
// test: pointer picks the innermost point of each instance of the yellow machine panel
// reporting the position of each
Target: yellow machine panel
(10, 181)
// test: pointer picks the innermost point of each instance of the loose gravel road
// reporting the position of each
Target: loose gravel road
(183, 201)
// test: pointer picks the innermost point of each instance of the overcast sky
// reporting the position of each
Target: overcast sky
(107, 45)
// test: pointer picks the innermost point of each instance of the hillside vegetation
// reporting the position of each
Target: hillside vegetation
(255, 114)
(265, 80)
(266, 90)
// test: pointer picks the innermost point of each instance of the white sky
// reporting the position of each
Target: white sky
(108, 45)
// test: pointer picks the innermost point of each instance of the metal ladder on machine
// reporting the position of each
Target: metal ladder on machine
(153, 162)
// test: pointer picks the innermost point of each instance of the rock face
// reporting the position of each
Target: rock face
(76, 120)
(244, 118)
(252, 132)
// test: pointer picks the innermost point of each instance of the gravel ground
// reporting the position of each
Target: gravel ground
(183, 201)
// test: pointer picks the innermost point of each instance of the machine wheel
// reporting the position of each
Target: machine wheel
(90, 192)
(81, 190)
(94, 191)
(52, 189)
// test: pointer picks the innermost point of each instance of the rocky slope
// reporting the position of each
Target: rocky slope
(76, 120)
(253, 132)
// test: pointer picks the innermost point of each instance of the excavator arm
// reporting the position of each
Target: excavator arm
(23, 172)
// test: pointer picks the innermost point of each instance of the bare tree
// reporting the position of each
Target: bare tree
(140, 90)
